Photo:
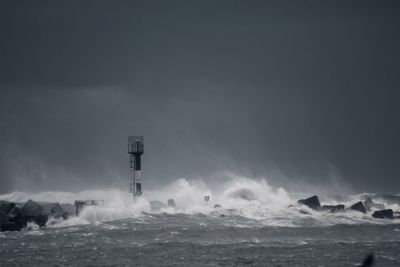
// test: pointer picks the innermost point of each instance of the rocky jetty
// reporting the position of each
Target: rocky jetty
(15, 216)
(313, 203)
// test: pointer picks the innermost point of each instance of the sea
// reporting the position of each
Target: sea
(253, 224)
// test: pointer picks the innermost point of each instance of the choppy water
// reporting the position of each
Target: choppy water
(254, 228)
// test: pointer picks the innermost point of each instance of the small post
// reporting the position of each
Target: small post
(206, 199)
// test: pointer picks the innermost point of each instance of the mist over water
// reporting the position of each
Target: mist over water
(254, 201)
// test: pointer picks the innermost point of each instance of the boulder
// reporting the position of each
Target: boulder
(7, 225)
(6, 206)
(68, 208)
(311, 202)
(217, 206)
(171, 203)
(383, 214)
(31, 209)
(156, 205)
(14, 215)
(41, 219)
(52, 209)
(359, 206)
(333, 208)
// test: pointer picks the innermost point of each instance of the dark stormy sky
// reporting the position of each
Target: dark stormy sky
(298, 91)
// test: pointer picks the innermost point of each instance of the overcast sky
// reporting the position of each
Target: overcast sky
(297, 89)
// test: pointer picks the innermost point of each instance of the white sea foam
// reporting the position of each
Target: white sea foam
(254, 199)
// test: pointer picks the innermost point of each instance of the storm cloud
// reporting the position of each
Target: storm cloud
(293, 89)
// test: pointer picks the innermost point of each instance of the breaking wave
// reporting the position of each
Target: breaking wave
(241, 199)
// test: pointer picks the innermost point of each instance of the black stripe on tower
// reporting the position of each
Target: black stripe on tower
(138, 189)
(138, 166)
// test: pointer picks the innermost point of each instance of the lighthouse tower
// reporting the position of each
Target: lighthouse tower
(135, 150)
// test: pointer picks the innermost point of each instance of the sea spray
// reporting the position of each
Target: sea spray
(251, 199)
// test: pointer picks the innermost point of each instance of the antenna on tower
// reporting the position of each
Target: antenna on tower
(135, 150)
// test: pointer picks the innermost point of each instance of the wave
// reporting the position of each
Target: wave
(250, 199)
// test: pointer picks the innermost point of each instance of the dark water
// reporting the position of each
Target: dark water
(200, 240)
